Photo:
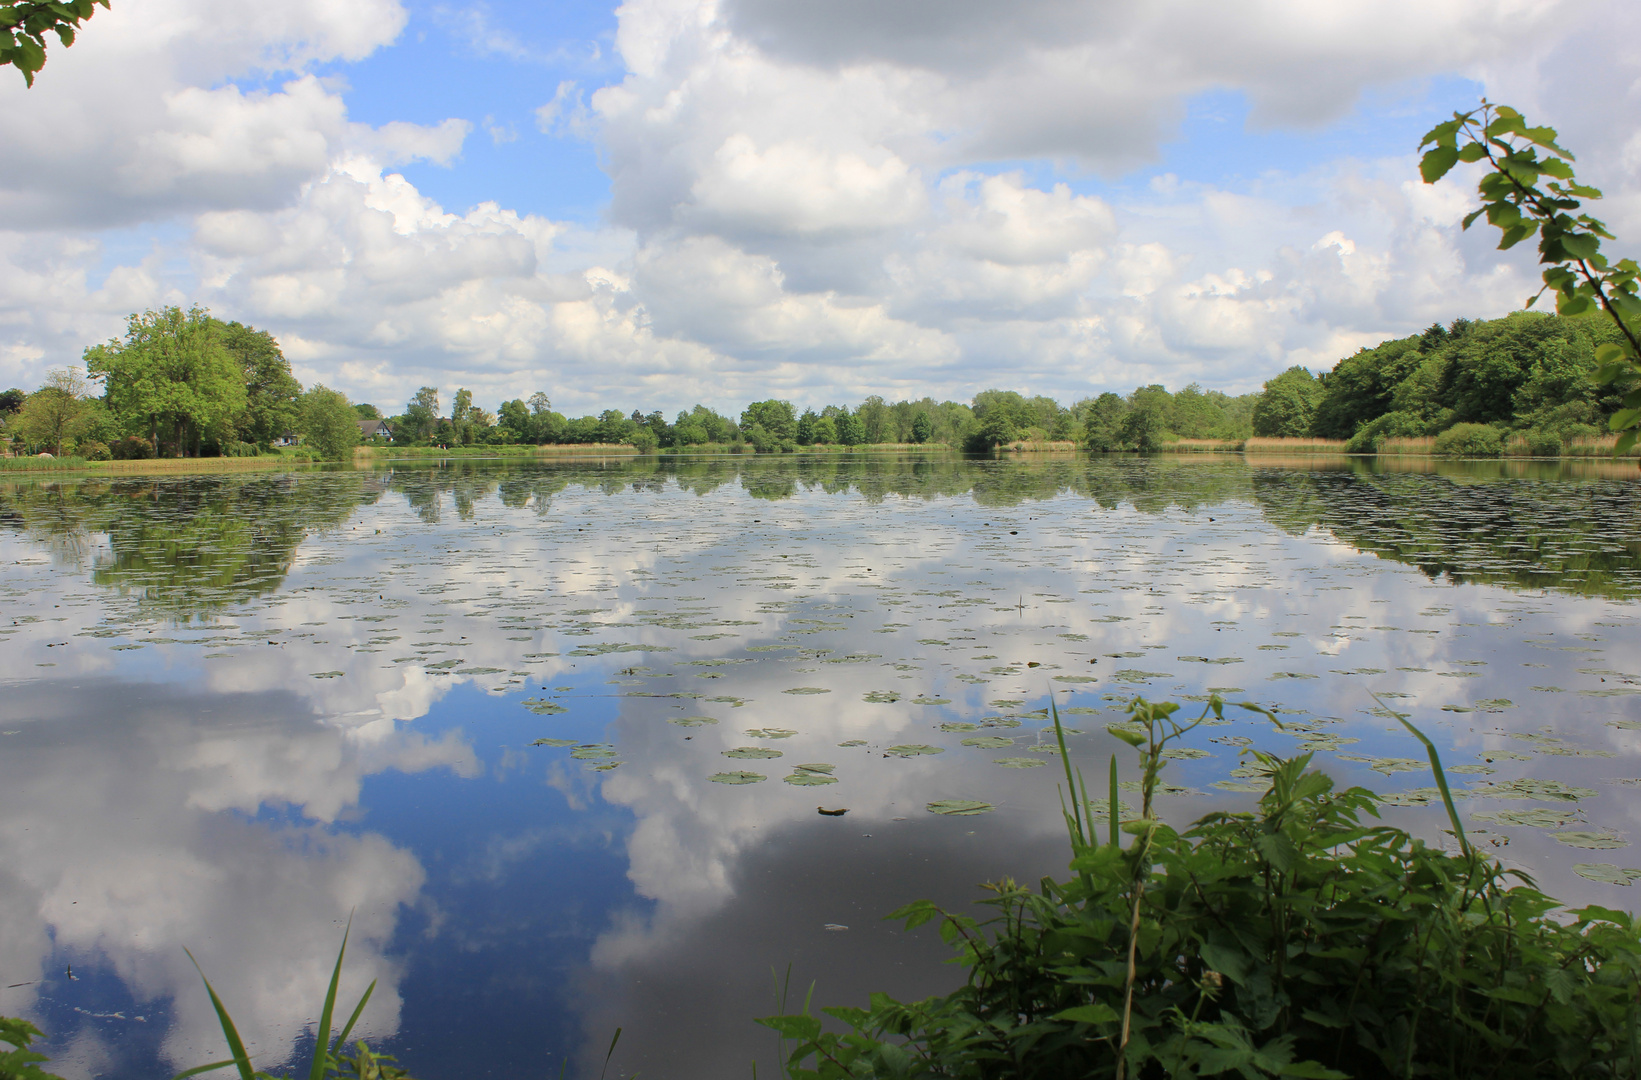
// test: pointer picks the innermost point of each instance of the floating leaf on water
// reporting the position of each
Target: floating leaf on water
(853, 742)
(593, 752)
(736, 777)
(328, 674)
(1538, 817)
(1632, 725)
(960, 807)
(1485, 770)
(1075, 678)
(1542, 790)
(1248, 786)
(480, 671)
(1291, 675)
(1185, 753)
(1019, 762)
(691, 721)
(543, 707)
(1000, 722)
(1611, 691)
(989, 742)
(921, 700)
(881, 697)
(1606, 873)
(1453, 709)
(957, 725)
(906, 750)
(553, 742)
(1593, 841)
(1498, 704)
(1415, 797)
(1548, 689)
(807, 690)
(803, 779)
(1134, 675)
(731, 701)
(816, 767)
(605, 766)
(931, 641)
(770, 733)
(752, 752)
(1080, 710)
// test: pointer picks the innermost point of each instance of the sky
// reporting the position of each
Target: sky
(668, 202)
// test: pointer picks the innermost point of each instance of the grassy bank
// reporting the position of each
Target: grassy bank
(150, 466)
(511, 450)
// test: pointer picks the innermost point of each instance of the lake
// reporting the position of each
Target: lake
(556, 734)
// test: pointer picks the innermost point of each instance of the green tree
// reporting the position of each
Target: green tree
(851, 432)
(775, 417)
(24, 25)
(10, 401)
(826, 431)
(996, 429)
(875, 419)
(1288, 405)
(1145, 424)
(1196, 414)
(421, 416)
(367, 411)
(173, 377)
(515, 417)
(329, 422)
(271, 391)
(921, 428)
(56, 412)
(1102, 430)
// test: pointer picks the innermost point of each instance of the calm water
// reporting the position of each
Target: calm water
(495, 711)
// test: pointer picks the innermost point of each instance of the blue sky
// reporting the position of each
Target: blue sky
(727, 200)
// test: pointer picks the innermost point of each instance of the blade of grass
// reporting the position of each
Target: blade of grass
(608, 1054)
(236, 1046)
(1441, 777)
(321, 1045)
(354, 1019)
(1116, 815)
(197, 1069)
(1065, 760)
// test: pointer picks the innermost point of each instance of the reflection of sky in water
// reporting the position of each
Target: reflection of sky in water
(237, 709)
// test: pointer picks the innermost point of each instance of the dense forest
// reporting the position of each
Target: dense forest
(183, 383)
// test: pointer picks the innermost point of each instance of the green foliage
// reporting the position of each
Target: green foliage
(1102, 428)
(1144, 424)
(92, 450)
(56, 412)
(329, 422)
(271, 391)
(1527, 195)
(1287, 406)
(1542, 443)
(21, 1063)
(24, 25)
(172, 377)
(775, 417)
(1297, 941)
(1470, 440)
(922, 428)
(1392, 425)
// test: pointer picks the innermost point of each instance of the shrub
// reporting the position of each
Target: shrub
(92, 450)
(131, 448)
(1541, 443)
(1392, 425)
(1470, 440)
(1294, 941)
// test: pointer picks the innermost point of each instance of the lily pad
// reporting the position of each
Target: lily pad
(853, 742)
(960, 807)
(920, 700)
(737, 777)
(593, 752)
(807, 690)
(553, 742)
(770, 733)
(328, 674)
(752, 752)
(1606, 873)
(989, 742)
(543, 707)
(907, 750)
(1541, 790)
(1594, 841)
(811, 775)
(1019, 762)
(881, 697)
(957, 725)
(691, 721)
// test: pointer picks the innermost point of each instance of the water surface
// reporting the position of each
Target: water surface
(556, 734)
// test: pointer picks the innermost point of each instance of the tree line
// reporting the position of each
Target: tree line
(184, 383)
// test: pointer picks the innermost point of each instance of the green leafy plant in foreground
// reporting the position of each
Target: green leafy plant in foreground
(1526, 195)
(1294, 940)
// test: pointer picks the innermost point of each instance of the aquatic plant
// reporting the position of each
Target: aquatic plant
(1295, 940)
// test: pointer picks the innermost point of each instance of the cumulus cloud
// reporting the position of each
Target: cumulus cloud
(806, 202)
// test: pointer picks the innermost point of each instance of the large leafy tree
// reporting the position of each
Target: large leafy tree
(25, 24)
(329, 422)
(172, 376)
(776, 417)
(271, 391)
(1286, 408)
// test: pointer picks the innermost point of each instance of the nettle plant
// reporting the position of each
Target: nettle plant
(1293, 940)
(1525, 193)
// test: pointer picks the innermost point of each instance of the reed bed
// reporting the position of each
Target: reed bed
(1268, 445)
(1203, 446)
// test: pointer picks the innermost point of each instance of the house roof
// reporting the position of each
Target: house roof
(368, 428)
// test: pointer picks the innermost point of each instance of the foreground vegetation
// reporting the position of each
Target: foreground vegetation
(1295, 941)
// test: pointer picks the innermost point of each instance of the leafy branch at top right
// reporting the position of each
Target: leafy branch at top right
(1526, 194)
